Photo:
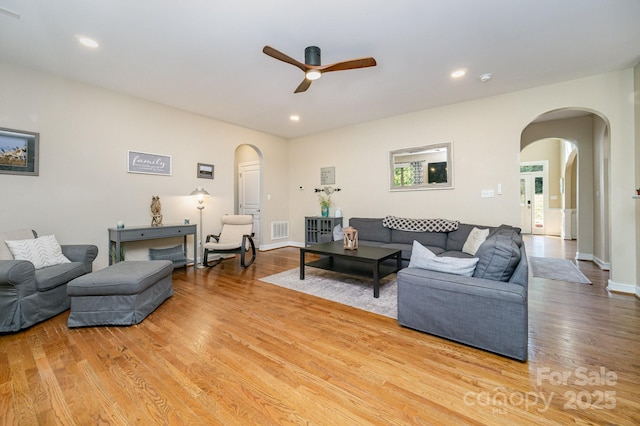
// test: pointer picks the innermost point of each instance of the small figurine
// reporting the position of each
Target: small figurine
(156, 211)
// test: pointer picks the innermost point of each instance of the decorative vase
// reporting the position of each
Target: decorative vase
(325, 211)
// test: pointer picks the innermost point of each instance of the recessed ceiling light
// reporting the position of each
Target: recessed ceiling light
(458, 73)
(294, 117)
(88, 42)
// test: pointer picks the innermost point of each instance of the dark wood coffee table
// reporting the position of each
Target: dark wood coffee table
(366, 261)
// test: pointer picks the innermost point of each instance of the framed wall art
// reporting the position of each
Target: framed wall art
(205, 171)
(19, 152)
(150, 164)
(328, 175)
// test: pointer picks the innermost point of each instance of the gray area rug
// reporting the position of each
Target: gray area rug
(557, 269)
(345, 289)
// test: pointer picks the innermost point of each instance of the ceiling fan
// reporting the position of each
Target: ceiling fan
(312, 68)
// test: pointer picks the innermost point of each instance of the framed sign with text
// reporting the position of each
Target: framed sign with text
(151, 164)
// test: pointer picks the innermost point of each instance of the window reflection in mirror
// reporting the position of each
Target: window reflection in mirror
(422, 167)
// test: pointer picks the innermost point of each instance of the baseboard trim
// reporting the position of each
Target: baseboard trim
(605, 266)
(623, 288)
(265, 247)
(584, 256)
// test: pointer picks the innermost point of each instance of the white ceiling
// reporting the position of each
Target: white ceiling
(205, 56)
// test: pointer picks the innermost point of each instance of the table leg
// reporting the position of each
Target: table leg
(399, 261)
(302, 253)
(184, 246)
(376, 280)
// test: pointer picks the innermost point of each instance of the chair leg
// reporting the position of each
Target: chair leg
(243, 250)
(205, 260)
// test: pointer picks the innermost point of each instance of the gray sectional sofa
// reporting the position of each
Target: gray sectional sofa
(29, 295)
(488, 310)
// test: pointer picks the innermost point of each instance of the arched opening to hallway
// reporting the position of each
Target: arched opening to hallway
(575, 204)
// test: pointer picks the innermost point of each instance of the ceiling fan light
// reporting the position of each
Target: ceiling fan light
(313, 75)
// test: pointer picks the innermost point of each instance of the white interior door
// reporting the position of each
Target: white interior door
(249, 197)
(532, 202)
(525, 203)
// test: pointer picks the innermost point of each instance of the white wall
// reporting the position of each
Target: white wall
(84, 188)
(486, 135)
(636, 151)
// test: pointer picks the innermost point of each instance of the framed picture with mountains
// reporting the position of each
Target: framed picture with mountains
(19, 152)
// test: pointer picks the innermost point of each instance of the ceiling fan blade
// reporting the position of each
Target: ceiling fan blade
(349, 65)
(276, 54)
(303, 86)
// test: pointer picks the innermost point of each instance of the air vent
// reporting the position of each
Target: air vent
(279, 230)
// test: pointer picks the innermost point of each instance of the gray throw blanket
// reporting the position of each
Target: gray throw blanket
(420, 225)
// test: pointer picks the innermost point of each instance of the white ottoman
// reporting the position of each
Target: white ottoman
(122, 294)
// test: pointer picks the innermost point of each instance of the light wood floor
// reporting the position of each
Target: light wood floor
(229, 349)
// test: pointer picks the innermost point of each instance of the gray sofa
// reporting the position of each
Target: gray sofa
(488, 310)
(29, 295)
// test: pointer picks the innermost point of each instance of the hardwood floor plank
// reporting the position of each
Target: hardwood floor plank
(230, 349)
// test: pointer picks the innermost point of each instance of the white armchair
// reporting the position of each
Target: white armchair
(235, 237)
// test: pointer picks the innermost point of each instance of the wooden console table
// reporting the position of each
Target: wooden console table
(140, 233)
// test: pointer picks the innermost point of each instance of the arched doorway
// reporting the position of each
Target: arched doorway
(248, 186)
(582, 185)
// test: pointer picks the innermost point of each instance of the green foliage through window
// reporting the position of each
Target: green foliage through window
(531, 169)
(402, 176)
(539, 188)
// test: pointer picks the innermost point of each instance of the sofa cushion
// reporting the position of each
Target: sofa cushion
(422, 257)
(19, 234)
(498, 258)
(42, 252)
(508, 230)
(457, 238)
(371, 229)
(474, 240)
(54, 276)
(452, 253)
(436, 239)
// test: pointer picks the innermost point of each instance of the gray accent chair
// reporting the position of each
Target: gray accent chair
(29, 296)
